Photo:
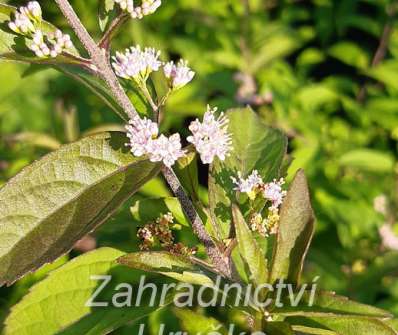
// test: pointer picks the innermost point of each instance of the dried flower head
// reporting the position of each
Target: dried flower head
(210, 137)
(136, 64)
(179, 75)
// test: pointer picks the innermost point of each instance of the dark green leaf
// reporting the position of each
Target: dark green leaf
(328, 304)
(255, 146)
(347, 325)
(296, 228)
(106, 12)
(63, 196)
(249, 250)
(167, 264)
(59, 301)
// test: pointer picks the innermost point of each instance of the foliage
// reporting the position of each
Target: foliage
(307, 68)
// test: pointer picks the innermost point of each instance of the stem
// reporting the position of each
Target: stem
(213, 251)
(98, 57)
(106, 39)
(100, 60)
(148, 96)
(381, 49)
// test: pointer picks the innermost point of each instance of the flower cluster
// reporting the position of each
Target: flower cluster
(27, 22)
(210, 137)
(138, 12)
(178, 75)
(253, 186)
(160, 232)
(136, 64)
(144, 140)
(26, 18)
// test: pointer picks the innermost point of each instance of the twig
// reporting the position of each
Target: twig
(213, 251)
(381, 50)
(98, 57)
(100, 60)
(106, 39)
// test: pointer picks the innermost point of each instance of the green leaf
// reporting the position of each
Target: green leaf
(148, 210)
(58, 303)
(186, 170)
(255, 146)
(278, 328)
(303, 330)
(105, 13)
(368, 160)
(296, 228)
(13, 46)
(60, 198)
(41, 140)
(328, 304)
(347, 325)
(95, 84)
(249, 250)
(167, 264)
(350, 54)
(195, 323)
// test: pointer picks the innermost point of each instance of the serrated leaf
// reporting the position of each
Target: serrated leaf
(167, 264)
(296, 228)
(57, 200)
(249, 250)
(255, 146)
(57, 305)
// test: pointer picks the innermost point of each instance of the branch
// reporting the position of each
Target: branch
(381, 49)
(98, 57)
(100, 60)
(221, 263)
(106, 39)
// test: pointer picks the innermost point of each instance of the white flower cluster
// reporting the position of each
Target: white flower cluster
(254, 184)
(27, 22)
(136, 64)
(56, 43)
(138, 12)
(211, 137)
(144, 140)
(25, 18)
(178, 75)
(248, 185)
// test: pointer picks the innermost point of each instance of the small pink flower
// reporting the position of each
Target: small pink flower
(210, 137)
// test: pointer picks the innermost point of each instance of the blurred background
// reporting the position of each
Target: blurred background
(324, 71)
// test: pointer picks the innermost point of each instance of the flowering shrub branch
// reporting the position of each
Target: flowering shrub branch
(99, 59)
(254, 232)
